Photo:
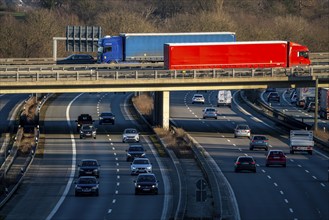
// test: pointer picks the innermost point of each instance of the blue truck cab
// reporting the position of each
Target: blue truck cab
(110, 49)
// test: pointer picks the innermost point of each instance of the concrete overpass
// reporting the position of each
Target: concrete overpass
(159, 81)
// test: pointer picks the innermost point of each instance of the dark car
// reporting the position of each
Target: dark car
(89, 167)
(245, 163)
(273, 96)
(77, 59)
(83, 119)
(106, 118)
(135, 151)
(146, 183)
(258, 141)
(87, 131)
(87, 185)
(276, 157)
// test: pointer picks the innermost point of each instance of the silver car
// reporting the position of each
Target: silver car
(130, 135)
(141, 165)
(198, 98)
(242, 130)
(209, 112)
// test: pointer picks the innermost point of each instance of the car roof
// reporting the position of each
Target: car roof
(197, 95)
(141, 158)
(240, 157)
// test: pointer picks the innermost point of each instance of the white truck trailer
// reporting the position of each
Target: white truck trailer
(301, 140)
(324, 103)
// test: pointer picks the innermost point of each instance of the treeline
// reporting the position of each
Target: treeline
(27, 31)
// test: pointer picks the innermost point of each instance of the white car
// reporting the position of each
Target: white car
(198, 98)
(209, 112)
(141, 165)
(130, 135)
(242, 130)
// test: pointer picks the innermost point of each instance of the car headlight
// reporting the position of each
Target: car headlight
(95, 170)
(81, 132)
(94, 187)
(129, 155)
(77, 187)
(133, 168)
(143, 155)
(149, 168)
(100, 118)
(94, 132)
(138, 186)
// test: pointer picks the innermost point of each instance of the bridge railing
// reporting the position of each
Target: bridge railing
(60, 75)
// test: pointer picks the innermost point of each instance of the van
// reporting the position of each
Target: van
(224, 97)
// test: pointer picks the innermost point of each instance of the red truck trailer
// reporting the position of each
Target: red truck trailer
(249, 54)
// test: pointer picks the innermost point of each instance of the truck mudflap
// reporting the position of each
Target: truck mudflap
(309, 149)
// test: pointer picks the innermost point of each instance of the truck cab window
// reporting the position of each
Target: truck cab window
(303, 54)
(107, 49)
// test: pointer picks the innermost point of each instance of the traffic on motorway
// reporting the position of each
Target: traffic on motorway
(107, 173)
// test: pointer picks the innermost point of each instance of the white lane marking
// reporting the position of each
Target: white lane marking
(113, 201)
(118, 170)
(281, 192)
(116, 191)
(234, 145)
(322, 184)
(165, 180)
(118, 177)
(314, 177)
(299, 165)
(223, 136)
(307, 171)
(73, 165)
(269, 177)
(118, 183)
(117, 164)
(263, 171)
(109, 211)
(291, 160)
(291, 210)
(286, 200)
(116, 158)
(113, 148)
(228, 140)
(114, 154)
(275, 184)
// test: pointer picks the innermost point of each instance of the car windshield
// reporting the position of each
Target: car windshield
(131, 131)
(245, 159)
(149, 178)
(87, 127)
(198, 96)
(106, 114)
(141, 162)
(210, 110)
(87, 181)
(243, 127)
(89, 163)
(259, 138)
(135, 149)
(276, 153)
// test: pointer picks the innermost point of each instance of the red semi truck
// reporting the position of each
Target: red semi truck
(249, 54)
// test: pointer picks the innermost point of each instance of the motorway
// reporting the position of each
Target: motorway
(299, 191)
(48, 190)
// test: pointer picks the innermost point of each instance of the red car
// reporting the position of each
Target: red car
(276, 157)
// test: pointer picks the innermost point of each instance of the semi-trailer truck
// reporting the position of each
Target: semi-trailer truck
(302, 94)
(324, 103)
(148, 47)
(248, 54)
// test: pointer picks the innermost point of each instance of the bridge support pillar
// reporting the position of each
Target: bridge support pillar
(161, 109)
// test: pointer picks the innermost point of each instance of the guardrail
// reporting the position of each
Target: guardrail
(286, 120)
(56, 75)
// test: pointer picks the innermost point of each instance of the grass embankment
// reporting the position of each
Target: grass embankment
(175, 140)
